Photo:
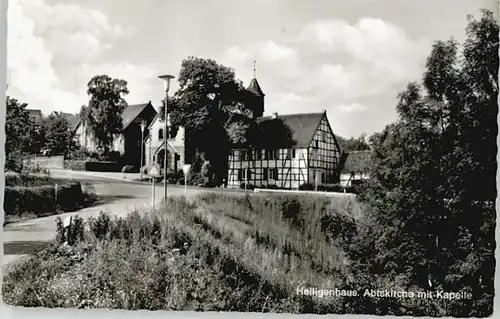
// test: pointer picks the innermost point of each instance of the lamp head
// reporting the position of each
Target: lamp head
(143, 125)
(166, 81)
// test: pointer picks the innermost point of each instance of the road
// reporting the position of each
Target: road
(121, 196)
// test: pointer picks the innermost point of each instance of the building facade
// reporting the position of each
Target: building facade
(155, 147)
(306, 152)
(314, 156)
(128, 142)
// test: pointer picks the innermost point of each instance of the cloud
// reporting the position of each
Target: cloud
(346, 68)
(142, 80)
(45, 44)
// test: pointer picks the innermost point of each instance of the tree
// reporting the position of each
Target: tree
(103, 114)
(60, 139)
(17, 137)
(353, 144)
(433, 187)
(208, 94)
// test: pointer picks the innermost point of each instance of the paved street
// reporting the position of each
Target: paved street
(122, 196)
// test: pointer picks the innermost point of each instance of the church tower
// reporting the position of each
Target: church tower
(255, 97)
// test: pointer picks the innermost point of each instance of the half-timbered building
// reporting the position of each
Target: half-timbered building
(294, 149)
(355, 167)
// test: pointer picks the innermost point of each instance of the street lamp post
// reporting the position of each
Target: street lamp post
(166, 85)
(143, 126)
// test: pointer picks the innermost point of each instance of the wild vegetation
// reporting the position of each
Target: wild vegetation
(222, 252)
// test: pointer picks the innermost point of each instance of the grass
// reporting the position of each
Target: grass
(220, 253)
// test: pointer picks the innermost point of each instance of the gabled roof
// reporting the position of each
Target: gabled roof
(254, 87)
(356, 161)
(131, 112)
(37, 114)
(72, 119)
(302, 126)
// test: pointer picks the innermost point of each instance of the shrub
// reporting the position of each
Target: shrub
(103, 166)
(129, 169)
(75, 165)
(290, 210)
(114, 156)
(69, 196)
(42, 199)
(306, 187)
(339, 226)
(93, 165)
(248, 186)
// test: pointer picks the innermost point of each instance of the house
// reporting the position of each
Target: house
(155, 146)
(355, 167)
(128, 142)
(72, 119)
(35, 115)
(293, 149)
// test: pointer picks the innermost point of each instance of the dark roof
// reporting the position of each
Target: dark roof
(356, 161)
(131, 112)
(254, 87)
(34, 113)
(72, 119)
(302, 126)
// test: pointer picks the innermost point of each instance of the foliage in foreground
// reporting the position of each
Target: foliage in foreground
(223, 253)
(433, 187)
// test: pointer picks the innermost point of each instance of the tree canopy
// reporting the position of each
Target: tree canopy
(60, 139)
(433, 187)
(17, 134)
(208, 95)
(103, 114)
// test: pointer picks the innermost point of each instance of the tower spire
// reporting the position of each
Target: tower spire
(254, 68)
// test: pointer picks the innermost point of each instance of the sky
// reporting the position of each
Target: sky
(350, 58)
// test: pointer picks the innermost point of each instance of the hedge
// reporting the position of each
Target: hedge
(94, 166)
(355, 189)
(42, 199)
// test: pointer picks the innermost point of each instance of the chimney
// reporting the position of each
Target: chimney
(275, 115)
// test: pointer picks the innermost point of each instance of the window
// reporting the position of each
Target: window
(274, 174)
(258, 154)
(250, 155)
(265, 174)
(154, 158)
(160, 134)
(316, 144)
(269, 154)
(323, 136)
(243, 155)
(240, 173)
(249, 174)
(288, 153)
(294, 155)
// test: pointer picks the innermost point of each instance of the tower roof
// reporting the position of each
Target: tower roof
(254, 87)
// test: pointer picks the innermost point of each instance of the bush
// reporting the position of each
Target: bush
(129, 169)
(93, 165)
(290, 210)
(114, 156)
(42, 199)
(102, 166)
(69, 196)
(306, 187)
(248, 186)
(339, 226)
(75, 165)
